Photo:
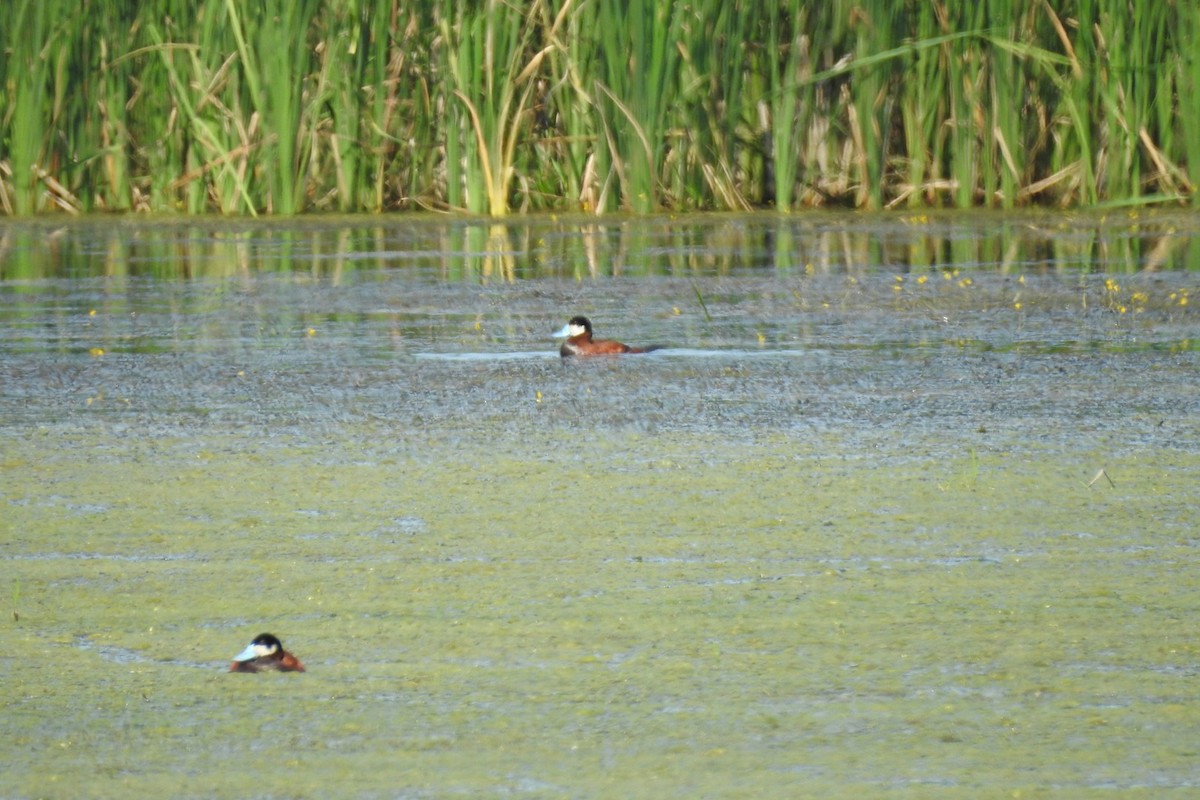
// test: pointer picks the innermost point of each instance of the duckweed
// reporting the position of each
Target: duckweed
(643, 615)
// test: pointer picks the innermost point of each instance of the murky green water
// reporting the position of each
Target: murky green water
(847, 535)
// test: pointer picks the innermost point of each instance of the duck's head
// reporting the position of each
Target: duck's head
(577, 326)
(264, 646)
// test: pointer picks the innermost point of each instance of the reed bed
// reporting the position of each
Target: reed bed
(285, 106)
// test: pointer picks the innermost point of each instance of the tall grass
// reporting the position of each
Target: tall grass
(492, 65)
(285, 106)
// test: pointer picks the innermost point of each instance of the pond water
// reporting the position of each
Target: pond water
(902, 507)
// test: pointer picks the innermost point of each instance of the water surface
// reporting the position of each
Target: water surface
(903, 507)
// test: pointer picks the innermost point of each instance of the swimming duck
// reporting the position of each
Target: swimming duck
(265, 654)
(580, 342)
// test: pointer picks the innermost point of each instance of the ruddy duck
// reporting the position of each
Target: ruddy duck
(580, 342)
(265, 654)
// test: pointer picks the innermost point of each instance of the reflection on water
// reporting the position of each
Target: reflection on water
(766, 320)
(452, 285)
(456, 249)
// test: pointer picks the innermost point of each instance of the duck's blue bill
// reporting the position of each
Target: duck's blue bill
(249, 654)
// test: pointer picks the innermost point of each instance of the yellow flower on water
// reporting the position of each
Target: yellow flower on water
(96, 351)
(537, 397)
(921, 280)
(312, 331)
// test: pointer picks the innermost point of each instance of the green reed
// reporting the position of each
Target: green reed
(636, 85)
(1184, 79)
(492, 61)
(278, 72)
(279, 107)
(28, 53)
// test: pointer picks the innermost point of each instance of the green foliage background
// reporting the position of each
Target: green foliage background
(283, 106)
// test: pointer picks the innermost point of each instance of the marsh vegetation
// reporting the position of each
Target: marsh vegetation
(283, 106)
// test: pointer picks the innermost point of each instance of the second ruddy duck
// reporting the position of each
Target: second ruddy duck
(265, 654)
(580, 342)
